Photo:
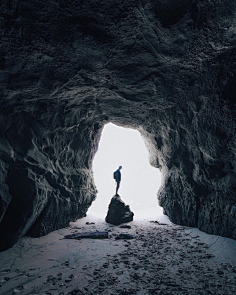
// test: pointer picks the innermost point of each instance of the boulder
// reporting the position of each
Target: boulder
(118, 212)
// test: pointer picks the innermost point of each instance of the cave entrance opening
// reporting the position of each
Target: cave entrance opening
(140, 181)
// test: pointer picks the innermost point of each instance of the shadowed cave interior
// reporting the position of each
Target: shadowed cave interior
(164, 68)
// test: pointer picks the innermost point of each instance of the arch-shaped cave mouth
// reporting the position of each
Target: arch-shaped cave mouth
(140, 181)
(85, 63)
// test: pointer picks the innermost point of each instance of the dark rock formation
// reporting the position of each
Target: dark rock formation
(118, 212)
(166, 68)
(88, 235)
(124, 236)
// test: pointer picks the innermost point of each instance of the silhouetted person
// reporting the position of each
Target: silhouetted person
(117, 177)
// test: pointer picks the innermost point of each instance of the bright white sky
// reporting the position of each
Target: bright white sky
(139, 180)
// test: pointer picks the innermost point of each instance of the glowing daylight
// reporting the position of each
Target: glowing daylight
(140, 181)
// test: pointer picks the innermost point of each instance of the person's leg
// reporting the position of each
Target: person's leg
(117, 187)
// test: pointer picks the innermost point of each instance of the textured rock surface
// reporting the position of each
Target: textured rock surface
(118, 212)
(166, 68)
(88, 235)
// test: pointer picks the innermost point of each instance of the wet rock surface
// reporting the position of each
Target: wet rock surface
(89, 235)
(124, 236)
(165, 68)
(118, 211)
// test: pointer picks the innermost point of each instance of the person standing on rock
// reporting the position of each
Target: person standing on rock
(117, 177)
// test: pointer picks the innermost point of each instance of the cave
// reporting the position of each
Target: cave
(164, 68)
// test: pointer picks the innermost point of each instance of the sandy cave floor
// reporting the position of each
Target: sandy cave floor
(163, 258)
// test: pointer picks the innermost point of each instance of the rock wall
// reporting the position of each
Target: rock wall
(165, 68)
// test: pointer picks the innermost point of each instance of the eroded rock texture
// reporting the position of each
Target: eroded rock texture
(164, 67)
(118, 211)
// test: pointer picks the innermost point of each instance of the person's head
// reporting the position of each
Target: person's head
(120, 167)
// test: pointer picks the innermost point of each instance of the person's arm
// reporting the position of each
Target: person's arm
(119, 176)
(116, 176)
